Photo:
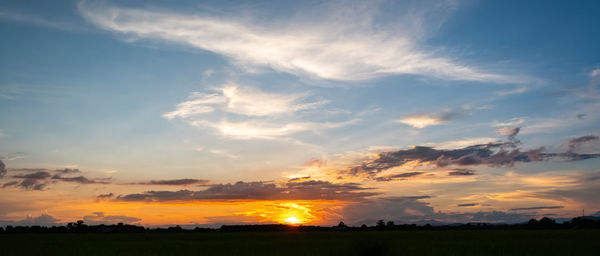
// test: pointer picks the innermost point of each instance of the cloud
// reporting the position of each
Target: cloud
(595, 73)
(2, 169)
(512, 122)
(494, 154)
(222, 152)
(461, 172)
(266, 130)
(41, 175)
(399, 209)
(103, 197)
(175, 182)
(331, 41)
(510, 132)
(43, 220)
(315, 162)
(427, 120)
(101, 218)
(297, 179)
(39, 179)
(8, 184)
(232, 98)
(33, 181)
(537, 208)
(40, 21)
(412, 210)
(467, 205)
(80, 179)
(586, 192)
(305, 190)
(260, 115)
(401, 176)
(576, 142)
(509, 92)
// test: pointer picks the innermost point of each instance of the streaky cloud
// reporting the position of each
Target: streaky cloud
(400, 176)
(461, 172)
(346, 47)
(537, 208)
(174, 182)
(305, 190)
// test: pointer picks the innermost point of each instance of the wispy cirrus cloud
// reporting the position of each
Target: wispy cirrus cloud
(510, 92)
(422, 121)
(261, 115)
(234, 99)
(348, 43)
(36, 20)
(266, 130)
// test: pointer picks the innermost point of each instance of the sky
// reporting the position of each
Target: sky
(204, 113)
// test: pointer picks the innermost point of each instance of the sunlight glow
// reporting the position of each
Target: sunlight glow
(292, 220)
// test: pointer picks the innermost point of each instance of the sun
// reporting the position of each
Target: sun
(292, 220)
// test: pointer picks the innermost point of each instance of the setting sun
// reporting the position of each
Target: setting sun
(292, 220)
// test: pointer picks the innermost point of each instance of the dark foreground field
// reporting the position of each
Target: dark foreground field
(491, 242)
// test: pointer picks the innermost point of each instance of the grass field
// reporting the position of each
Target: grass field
(492, 242)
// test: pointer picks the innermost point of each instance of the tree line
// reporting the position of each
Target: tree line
(381, 225)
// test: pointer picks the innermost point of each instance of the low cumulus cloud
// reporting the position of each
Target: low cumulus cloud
(40, 179)
(105, 197)
(43, 220)
(304, 190)
(411, 210)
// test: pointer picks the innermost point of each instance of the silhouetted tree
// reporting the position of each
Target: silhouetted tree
(547, 221)
(380, 223)
(390, 224)
(342, 225)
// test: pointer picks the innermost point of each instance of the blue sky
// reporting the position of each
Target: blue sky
(233, 91)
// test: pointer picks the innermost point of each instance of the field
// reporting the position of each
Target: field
(491, 242)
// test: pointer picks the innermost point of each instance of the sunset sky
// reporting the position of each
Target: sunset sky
(300, 112)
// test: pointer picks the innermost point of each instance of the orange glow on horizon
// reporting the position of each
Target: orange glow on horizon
(292, 220)
(296, 212)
